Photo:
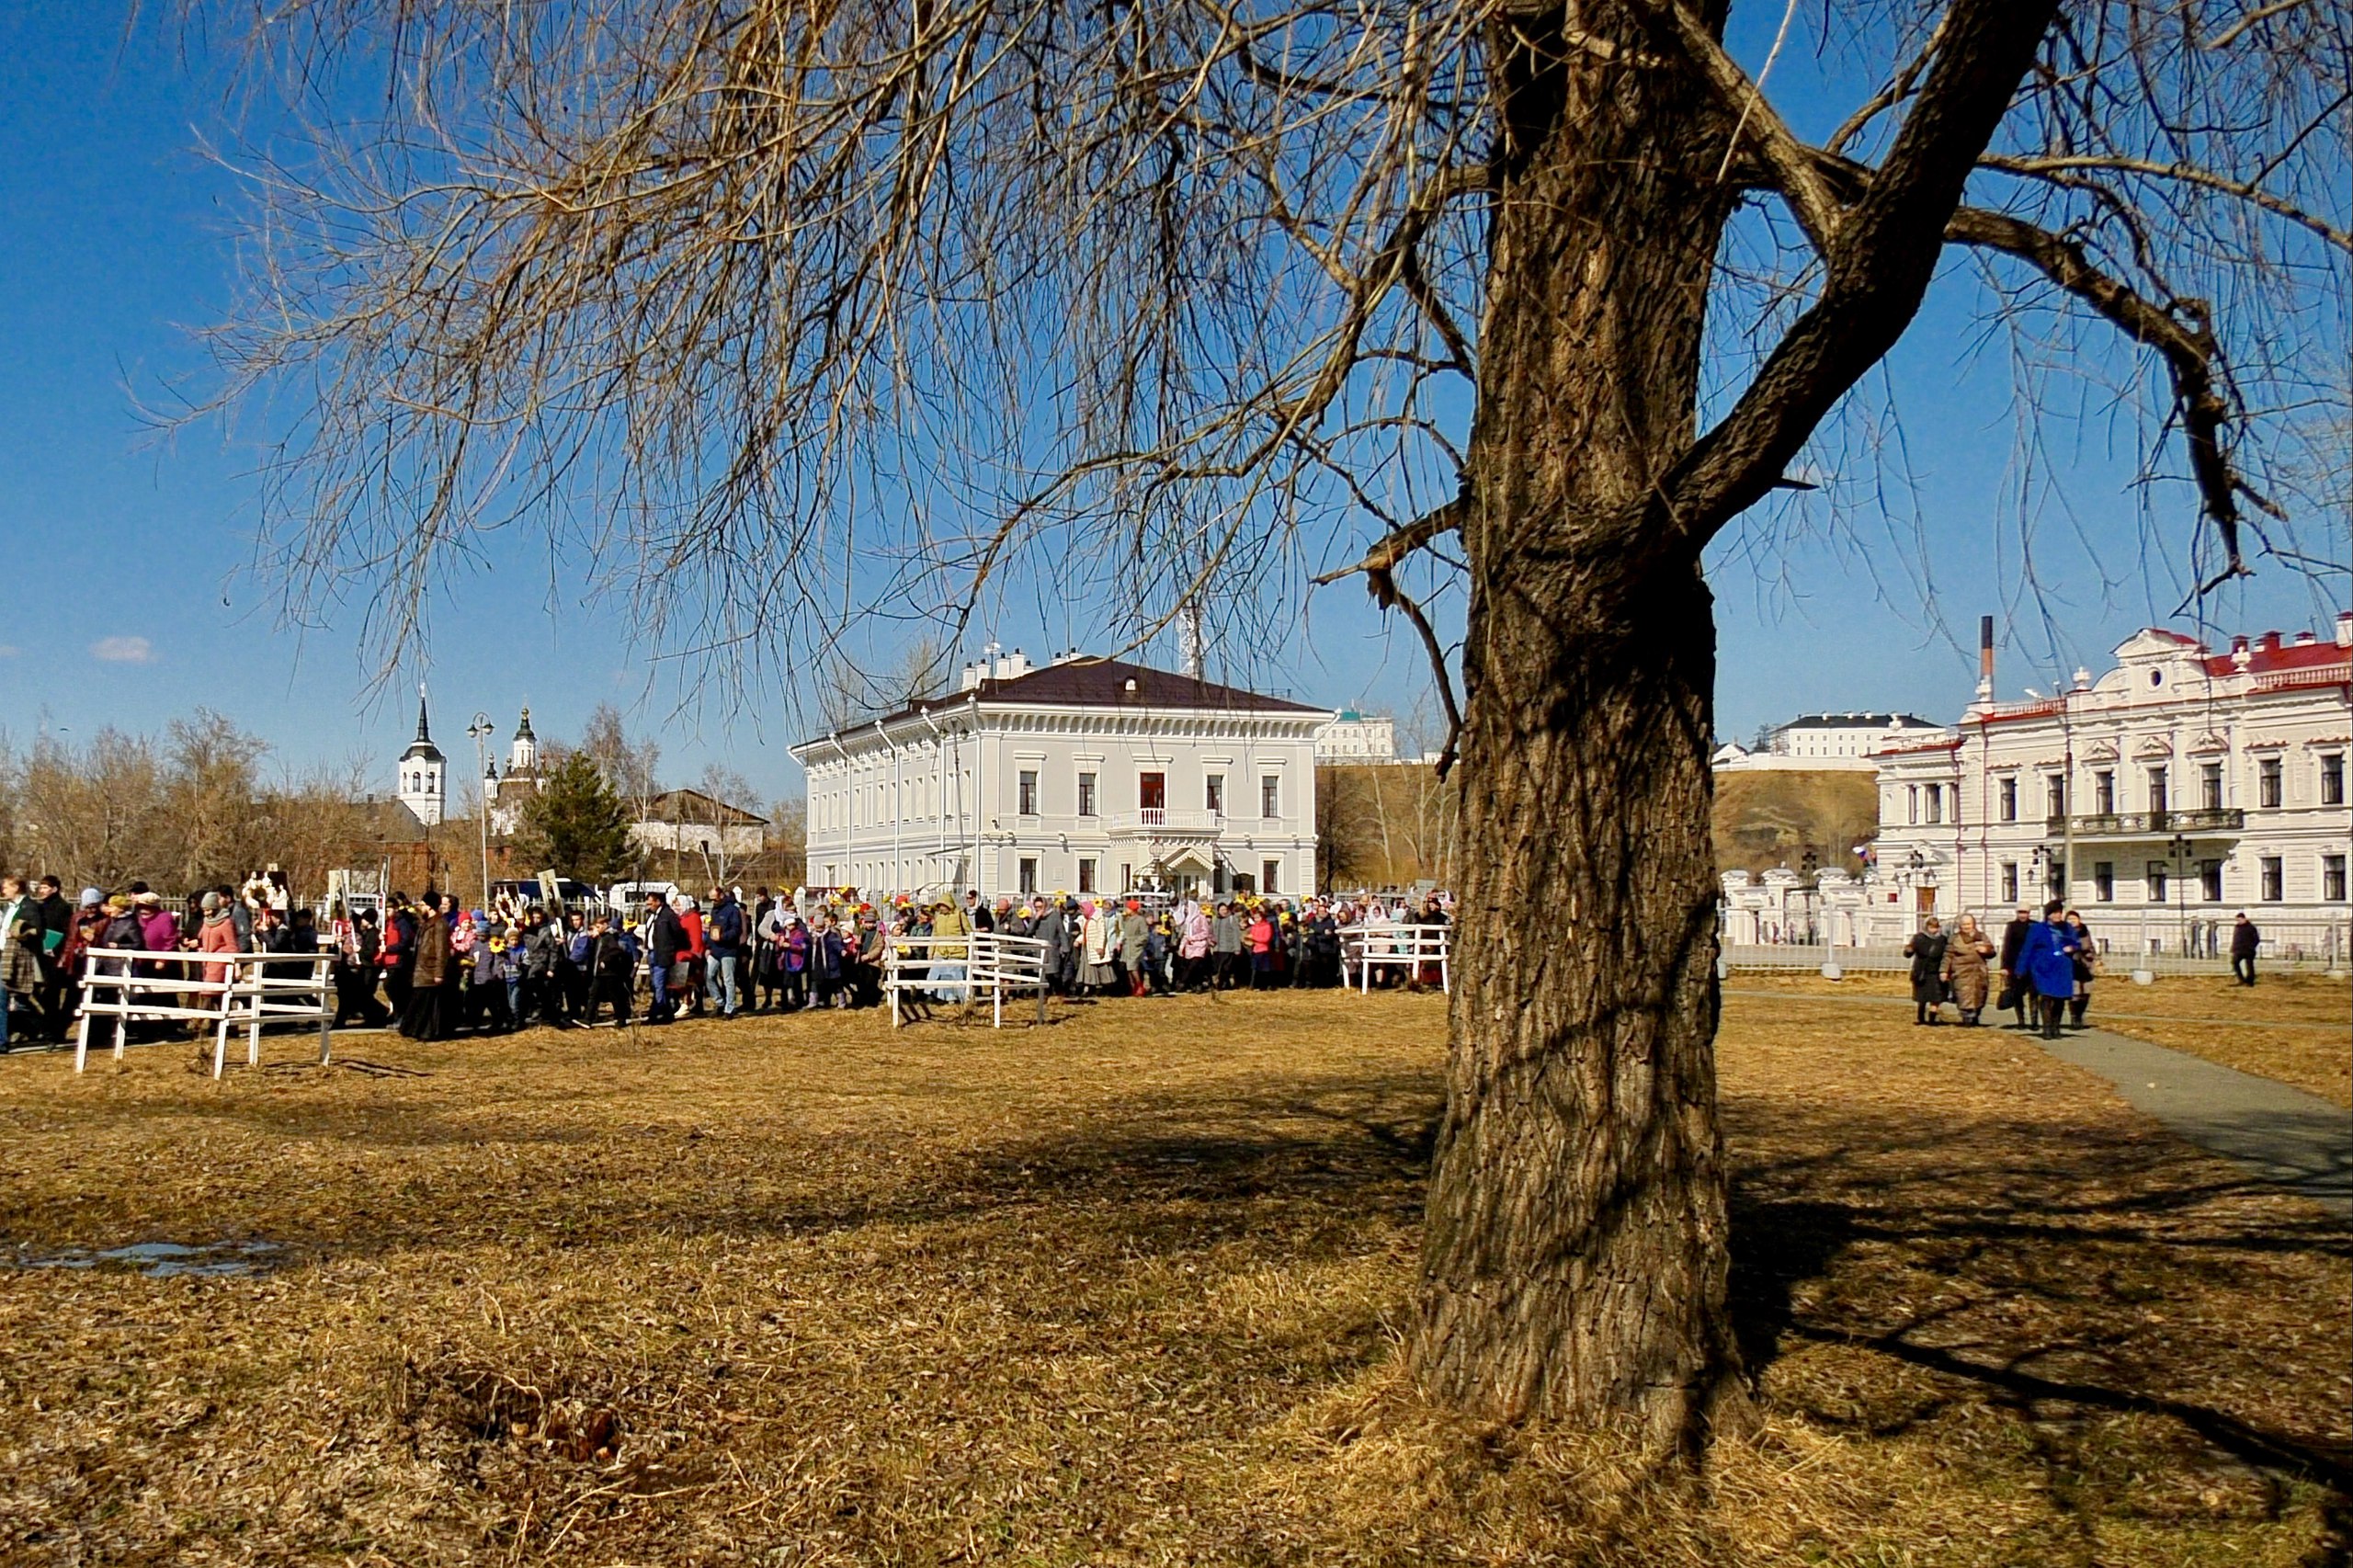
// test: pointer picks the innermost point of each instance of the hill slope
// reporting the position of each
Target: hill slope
(1768, 819)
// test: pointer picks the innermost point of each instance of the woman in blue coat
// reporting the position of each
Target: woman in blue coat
(2048, 959)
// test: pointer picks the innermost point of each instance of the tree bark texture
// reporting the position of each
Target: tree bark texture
(1576, 1254)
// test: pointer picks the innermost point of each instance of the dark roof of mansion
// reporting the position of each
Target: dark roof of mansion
(1105, 683)
(1855, 722)
(692, 808)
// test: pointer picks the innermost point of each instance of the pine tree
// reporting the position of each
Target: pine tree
(576, 825)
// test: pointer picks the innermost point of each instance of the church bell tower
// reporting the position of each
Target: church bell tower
(423, 782)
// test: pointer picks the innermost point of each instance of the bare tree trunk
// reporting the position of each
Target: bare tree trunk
(1575, 1259)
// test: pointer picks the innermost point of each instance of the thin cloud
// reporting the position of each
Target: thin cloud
(123, 651)
(9, 650)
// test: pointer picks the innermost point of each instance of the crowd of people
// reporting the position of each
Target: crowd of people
(433, 968)
(2042, 971)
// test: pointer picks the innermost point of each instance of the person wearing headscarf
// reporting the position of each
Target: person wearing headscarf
(427, 1015)
(1925, 949)
(1099, 948)
(1193, 949)
(1966, 973)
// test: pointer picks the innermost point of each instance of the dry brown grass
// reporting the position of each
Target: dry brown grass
(2295, 1028)
(1124, 1290)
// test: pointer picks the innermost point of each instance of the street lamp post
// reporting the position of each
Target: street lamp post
(482, 730)
(2181, 849)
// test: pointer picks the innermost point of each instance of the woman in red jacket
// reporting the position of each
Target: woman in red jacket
(1259, 938)
(691, 956)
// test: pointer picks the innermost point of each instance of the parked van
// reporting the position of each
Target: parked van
(629, 898)
(574, 895)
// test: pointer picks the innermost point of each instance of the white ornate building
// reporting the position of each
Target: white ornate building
(2179, 787)
(1351, 737)
(1083, 776)
(1822, 742)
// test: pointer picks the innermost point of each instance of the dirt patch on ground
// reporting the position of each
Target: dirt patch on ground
(1126, 1290)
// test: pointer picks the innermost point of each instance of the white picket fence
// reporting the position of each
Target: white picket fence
(994, 965)
(1364, 949)
(257, 988)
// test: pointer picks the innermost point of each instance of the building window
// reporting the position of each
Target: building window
(1086, 874)
(2160, 886)
(1127, 877)
(2009, 881)
(1270, 797)
(2332, 878)
(2267, 783)
(2054, 795)
(2210, 785)
(1028, 875)
(2104, 793)
(2332, 778)
(1151, 791)
(1086, 794)
(1214, 794)
(2210, 880)
(2160, 795)
(2009, 809)
(1912, 804)
(1936, 802)
(2104, 881)
(1269, 885)
(1028, 800)
(2274, 881)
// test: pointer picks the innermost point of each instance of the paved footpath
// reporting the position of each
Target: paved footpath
(2281, 1134)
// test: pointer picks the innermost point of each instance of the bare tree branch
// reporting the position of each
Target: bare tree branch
(2177, 330)
(1874, 276)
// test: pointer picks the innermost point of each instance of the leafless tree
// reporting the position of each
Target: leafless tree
(710, 811)
(634, 766)
(781, 312)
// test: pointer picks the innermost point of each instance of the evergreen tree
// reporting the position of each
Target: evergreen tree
(576, 825)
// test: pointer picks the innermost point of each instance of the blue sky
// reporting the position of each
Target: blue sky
(131, 606)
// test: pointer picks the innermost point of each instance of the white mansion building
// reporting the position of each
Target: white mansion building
(1082, 776)
(2181, 787)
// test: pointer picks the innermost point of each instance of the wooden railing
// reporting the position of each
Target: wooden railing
(993, 965)
(126, 984)
(1414, 949)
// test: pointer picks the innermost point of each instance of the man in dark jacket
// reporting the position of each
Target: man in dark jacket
(2245, 941)
(2017, 990)
(723, 935)
(546, 965)
(56, 918)
(666, 939)
(613, 971)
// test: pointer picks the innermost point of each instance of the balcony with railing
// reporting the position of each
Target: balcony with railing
(2150, 825)
(1163, 822)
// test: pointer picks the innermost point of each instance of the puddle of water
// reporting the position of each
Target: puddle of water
(164, 1260)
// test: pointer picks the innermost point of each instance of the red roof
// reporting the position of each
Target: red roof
(2263, 659)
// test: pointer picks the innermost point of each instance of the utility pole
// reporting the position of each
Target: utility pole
(482, 730)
